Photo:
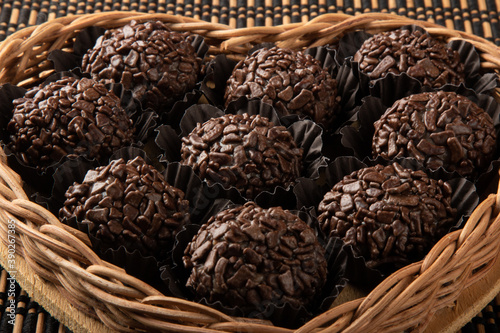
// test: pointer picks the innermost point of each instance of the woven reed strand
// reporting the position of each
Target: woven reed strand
(405, 300)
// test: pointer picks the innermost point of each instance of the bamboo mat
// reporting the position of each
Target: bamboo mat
(20, 314)
(480, 17)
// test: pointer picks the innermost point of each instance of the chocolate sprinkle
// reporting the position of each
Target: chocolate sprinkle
(128, 204)
(439, 129)
(415, 53)
(68, 117)
(291, 81)
(157, 64)
(247, 256)
(247, 152)
(388, 214)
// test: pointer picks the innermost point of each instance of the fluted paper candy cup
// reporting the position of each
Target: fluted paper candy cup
(290, 88)
(267, 300)
(375, 207)
(453, 66)
(164, 77)
(269, 160)
(128, 206)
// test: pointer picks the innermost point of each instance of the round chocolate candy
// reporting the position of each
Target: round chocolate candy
(68, 117)
(390, 215)
(247, 152)
(439, 129)
(128, 204)
(291, 81)
(157, 64)
(248, 255)
(415, 53)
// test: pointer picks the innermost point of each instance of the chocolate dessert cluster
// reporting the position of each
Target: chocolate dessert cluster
(157, 64)
(291, 81)
(390, 215)
(441, 129)
(129, 204)
(68, 117)
(415, 53)
(247, 256)
(247, 152)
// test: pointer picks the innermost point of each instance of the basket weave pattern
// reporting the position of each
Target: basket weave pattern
(63, 257)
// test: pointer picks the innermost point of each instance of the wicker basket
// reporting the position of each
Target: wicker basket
(55, 264)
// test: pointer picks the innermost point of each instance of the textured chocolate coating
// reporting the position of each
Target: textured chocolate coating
(128, 204)
(157, 64)
(247, 152)
(291, 81)
(390, 215)
(415, 53)
(248, 255)
(68, 117)
(438, 129)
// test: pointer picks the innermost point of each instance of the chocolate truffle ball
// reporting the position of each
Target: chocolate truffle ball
(247, 152)
(415, 53)
(439, 129)
(157, 64)
(390, 215)
(128, 204)
(291, 81)
(68, 117)
(247, 256)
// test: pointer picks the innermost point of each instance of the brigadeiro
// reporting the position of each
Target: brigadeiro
(390, 215)
(157, 64)
(439, 129)
(292, 81)
(246, 151)
(68, 117)
(128, 204)
(249, 256)
(413, 52)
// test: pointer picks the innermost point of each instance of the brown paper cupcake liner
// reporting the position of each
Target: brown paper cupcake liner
(306, 134)
(220, 69)
(214, 84)
(84, 40)
(283, 313)
(486, 182)
(145, 268)
(282, 197)
(347, 82)
(356, 138)
(476, 80)
(309, 194)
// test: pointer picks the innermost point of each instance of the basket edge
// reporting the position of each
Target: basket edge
(0, 46)
(49, 298)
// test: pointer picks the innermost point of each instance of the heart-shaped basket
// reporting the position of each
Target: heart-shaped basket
(57, 267)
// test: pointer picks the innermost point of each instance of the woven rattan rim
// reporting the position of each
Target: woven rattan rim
(62, 257)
